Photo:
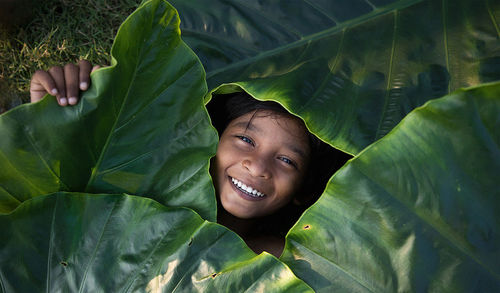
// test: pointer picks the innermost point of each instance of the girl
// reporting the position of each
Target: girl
(268, 168)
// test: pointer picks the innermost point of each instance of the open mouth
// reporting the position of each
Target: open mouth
(248, 190)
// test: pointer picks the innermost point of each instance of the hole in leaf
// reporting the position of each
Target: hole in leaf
(64, 264)
(323, 161)
(214, 275)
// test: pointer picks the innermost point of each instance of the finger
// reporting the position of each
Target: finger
(95, 68)
(57, 74)
(71, 78)
(84, 76)
(41, 83)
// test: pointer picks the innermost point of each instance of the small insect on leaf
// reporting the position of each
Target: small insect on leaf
(64, 264)
(307, 227)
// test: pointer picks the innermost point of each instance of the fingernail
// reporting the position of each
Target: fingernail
(72, 100)
(83, 86)
(54, 91)
(63, 101)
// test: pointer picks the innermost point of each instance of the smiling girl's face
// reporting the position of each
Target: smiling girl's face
(261, 161)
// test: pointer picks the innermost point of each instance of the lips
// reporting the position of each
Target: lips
(247, 190)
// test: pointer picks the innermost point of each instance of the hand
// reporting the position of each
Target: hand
(62, 82)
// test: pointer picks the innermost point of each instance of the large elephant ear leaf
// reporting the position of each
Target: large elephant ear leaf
(75, 242)
(351, 69)
(142, 128)
(416, 211)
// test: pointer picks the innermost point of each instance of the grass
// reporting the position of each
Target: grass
(59, 32)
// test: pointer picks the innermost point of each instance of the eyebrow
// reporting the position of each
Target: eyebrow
(247, 125)
(250, 126)
(298, 151)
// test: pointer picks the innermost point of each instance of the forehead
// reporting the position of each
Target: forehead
(276, 126)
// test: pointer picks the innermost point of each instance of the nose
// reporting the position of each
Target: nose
(257, 167)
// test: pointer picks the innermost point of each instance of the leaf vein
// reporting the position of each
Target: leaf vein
(192, 67)
(492, 17)
(40, 156)
(270, 19)
(10, 194)
(227, 42)
(445, 39)
(334, 264)
(316, 36)
(98, 243)
(388, 99)
(151, 151)
(20, 173)
(110, 134)
(331, 17)
(330, 73)
(149, 256)
(200, 254)
(2, 286)
(51, 244)
(371, 4)
(172, 188)
(441, 230)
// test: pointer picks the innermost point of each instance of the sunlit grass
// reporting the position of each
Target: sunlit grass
(59, 32)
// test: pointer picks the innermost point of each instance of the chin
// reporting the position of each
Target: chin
(237, 210)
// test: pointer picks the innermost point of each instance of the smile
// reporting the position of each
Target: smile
(247, 189)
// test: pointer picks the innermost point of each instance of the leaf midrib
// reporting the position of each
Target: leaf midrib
(95, 169)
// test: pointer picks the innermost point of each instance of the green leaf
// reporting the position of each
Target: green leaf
(417, 211)
(142, 128)
(74, 242)
(351, 69)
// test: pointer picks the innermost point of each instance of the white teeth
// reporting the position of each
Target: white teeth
(249, 190)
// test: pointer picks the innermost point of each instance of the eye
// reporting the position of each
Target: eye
(288, 161)
(245, 139)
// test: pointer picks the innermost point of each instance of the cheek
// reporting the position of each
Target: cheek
(218, 172)
(287, 188)
(221, 161)
(290, 185)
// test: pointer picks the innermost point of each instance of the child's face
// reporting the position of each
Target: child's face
(270, 158)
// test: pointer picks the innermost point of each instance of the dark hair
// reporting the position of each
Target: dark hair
(324, 160)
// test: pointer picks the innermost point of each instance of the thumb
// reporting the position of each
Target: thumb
(41, 84)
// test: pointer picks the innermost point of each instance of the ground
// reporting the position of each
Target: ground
(39, 34)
